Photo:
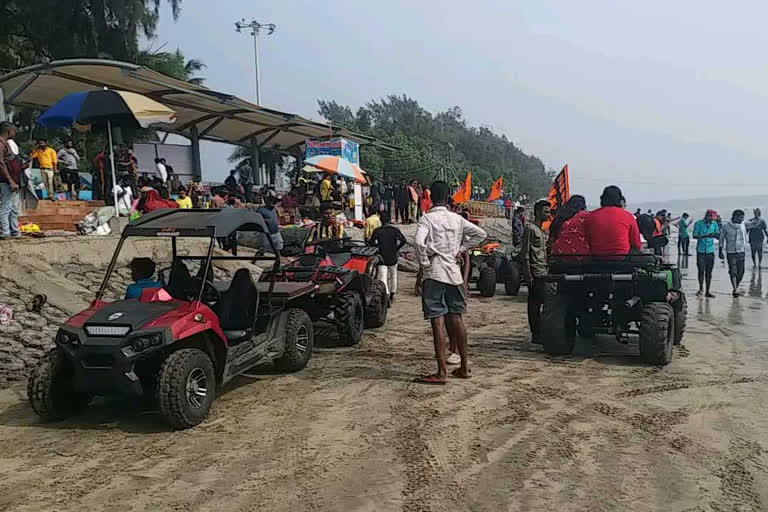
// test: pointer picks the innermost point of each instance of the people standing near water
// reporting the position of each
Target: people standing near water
(683, 237)
(441, 237)
(705, 232)
(757, 232)
(733, 238)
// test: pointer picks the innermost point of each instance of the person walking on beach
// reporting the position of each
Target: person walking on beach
(705, 232)
(389, 240)
(441, 237)
(757, 231)
(733, 237)
(535, 266)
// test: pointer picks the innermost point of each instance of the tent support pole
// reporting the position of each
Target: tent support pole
(197, 168)
(255, 164)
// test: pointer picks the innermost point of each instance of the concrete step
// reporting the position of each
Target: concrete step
(47, 205)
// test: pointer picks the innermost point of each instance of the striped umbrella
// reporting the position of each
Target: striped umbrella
(106, 108)
(337, 165)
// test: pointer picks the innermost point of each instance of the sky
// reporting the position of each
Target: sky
(668, 100)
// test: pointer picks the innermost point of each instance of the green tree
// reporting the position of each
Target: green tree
(36, 30)
(441, 145)
(172, 64)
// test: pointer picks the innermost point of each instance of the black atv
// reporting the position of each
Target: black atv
(621, 296)
(489, 266)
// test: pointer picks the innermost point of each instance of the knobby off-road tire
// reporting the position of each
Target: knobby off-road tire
(657, 328)
(376, 312)
(299, 341)
(486, 282)
(50, 390)
(186, 388)
(681, 317)
(512, 278)
(349, 317)
(558, 325)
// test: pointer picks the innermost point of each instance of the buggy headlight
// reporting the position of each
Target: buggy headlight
(107, 330)
(66, 338)
(144, 342)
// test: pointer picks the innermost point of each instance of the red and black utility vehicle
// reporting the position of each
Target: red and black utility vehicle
(348, 294)
(183, 341)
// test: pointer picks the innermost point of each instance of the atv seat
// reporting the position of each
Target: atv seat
(594, 265)
(340, 259)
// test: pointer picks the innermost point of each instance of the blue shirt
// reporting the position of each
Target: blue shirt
(705, 245)
(134, 290)
(270, 219)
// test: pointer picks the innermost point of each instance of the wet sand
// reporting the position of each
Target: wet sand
(594, 431)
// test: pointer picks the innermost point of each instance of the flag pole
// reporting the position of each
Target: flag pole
(112, 164)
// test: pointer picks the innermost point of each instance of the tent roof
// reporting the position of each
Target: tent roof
(217, 116)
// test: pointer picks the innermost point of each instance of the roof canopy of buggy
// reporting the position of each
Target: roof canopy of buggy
(202, 223)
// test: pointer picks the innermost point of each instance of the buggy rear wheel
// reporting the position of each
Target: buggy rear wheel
(680, 307)
(512, 278)
(558, 325)
(657, 328)
(349, 317)
(186, 387)
(50, 390)
(299, 341)
(486, 282)
(376, 312)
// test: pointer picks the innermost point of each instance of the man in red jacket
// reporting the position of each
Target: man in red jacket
(612, 230)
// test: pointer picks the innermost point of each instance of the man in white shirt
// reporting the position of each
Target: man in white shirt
(441, 237)
(162, 172)
(124, 197)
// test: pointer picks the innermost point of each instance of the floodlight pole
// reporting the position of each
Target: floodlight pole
(256, 29)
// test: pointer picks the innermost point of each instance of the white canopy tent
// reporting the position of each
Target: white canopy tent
(202, 114)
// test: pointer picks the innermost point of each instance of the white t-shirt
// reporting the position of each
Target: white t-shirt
(162, 172)
(124, 202)
(14, 147)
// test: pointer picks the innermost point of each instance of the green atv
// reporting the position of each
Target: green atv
(634, 295)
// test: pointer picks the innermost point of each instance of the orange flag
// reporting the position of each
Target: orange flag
(465, 191)
(559, 193)
(496, 190)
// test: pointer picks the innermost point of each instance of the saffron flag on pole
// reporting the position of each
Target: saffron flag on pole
(496, 190)
(465, 191)
(559, 193)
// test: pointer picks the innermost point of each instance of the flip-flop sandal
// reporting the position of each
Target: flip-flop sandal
(430, 379)
(457, 373)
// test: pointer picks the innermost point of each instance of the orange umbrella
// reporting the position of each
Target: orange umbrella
(337, 165)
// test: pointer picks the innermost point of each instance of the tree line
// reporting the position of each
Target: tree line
(442, 145)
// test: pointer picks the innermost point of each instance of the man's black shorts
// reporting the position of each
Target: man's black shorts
(705, 262)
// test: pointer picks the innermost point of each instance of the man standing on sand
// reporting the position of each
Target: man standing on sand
(733, 237)
(9, 185)
(441, 237)
(705, 232)
(757, 232)
(535, 267)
